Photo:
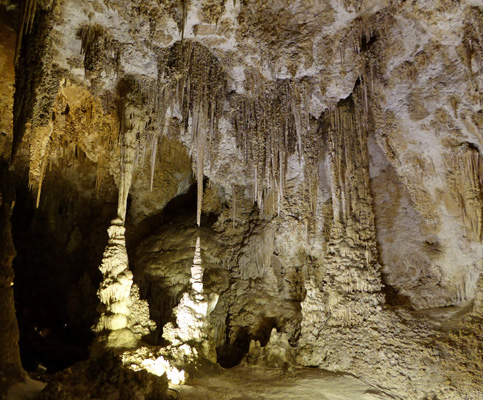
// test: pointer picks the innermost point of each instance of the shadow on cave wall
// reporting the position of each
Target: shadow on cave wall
(59, 247)
(393, 296)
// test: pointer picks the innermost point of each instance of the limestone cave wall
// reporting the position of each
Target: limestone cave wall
(307, 174)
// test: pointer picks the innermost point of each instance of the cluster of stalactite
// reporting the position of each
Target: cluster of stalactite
(465, 177)
(351, 287)
(74, 117)
(36, 80)
(192, 88)
(270, 122)
(353, 280)
(350, 290)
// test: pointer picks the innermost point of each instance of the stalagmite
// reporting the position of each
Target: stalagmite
(124, 318)
(192, 315)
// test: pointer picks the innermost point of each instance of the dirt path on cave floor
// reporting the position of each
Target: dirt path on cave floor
(251, 383)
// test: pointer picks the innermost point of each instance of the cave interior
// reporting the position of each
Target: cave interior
(241, 199)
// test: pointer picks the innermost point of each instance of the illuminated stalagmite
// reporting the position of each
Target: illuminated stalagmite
(285, 184)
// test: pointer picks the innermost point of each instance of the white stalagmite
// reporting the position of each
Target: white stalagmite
(192, 315)
(114, 292)
(197, 270)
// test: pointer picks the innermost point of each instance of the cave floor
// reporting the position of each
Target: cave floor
(255, 383)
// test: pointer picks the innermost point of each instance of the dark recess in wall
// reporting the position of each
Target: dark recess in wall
(232, 353)
(55, 281)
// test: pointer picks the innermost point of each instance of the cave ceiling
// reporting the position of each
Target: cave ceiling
(307, 173)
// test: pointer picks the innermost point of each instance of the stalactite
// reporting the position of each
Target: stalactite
(200, 140)
(133, 126)
(270, 122)
(192, 80)
(39, 190)
(39, 155)
(154, 148)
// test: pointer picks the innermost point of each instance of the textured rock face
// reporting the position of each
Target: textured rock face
(303, 66)
(11, 370)
(327, 154)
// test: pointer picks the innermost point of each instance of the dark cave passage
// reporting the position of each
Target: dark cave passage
(56, 278)
(233, 351)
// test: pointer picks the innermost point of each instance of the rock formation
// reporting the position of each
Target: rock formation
(283, 185)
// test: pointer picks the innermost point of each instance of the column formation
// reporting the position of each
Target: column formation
(348, 292)
(124, 317)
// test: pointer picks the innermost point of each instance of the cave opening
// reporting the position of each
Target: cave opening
(233, 351)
